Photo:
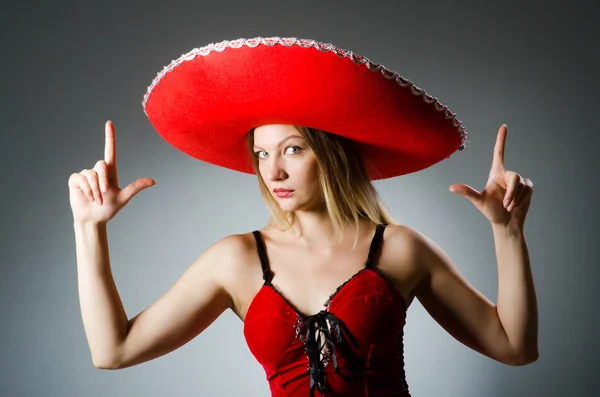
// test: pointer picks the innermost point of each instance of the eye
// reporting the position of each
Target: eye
(294, 147)
(297, 149)
(258, 153)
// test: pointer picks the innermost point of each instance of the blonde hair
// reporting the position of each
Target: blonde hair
(347, 191)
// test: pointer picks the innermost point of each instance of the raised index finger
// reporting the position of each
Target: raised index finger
(498, 161)
(110, 150)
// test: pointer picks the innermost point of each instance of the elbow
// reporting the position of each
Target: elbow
(524, 358)
(104, 363)
(102, 366)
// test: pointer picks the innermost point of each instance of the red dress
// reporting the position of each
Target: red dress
(361, 336)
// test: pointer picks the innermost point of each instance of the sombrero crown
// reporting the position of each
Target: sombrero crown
(207, 100)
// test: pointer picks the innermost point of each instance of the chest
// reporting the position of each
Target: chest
(366, 312)
(307, 280)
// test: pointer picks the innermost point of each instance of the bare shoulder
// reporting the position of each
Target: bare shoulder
(409, 242)
(400, 236)
(403, 242)
(239, 271)
(400, 259)
(233, 254)
(414, 260)
(417, 248)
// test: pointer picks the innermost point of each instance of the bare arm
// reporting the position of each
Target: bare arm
(104, 318)
(194, 302)
(508, 336)
(191, 305)
(517, 302)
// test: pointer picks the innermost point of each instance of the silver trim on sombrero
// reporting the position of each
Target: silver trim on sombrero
(323, 47)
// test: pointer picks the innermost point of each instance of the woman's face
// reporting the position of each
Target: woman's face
(286, 161)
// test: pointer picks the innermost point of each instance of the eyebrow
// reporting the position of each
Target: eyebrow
(279, 144)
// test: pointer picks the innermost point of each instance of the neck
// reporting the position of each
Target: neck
(315, 229)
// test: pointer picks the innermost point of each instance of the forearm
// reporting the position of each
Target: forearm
(517, 304)
(104, 318)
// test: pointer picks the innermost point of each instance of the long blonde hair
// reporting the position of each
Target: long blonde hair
(346, 188)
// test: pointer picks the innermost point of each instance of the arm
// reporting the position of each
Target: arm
(517, 303)
(104, 318)
(506, 332)
(191, 305)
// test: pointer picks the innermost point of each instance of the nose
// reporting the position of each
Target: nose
(275, 168)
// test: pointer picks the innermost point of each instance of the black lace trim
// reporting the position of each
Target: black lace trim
(391, 283)
(327, 303)
(290, 304)
(340, 287)
(268, 273)
(401, 361)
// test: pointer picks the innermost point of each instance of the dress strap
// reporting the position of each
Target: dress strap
(375, 243)
(264, 259)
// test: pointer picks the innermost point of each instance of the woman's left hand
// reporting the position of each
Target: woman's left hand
(506, 197)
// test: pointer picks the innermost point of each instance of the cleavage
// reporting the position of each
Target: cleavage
(308, 294)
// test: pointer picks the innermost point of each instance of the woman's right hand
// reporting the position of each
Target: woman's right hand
(89, 202)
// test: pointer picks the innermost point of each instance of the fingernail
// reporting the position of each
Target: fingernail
(506, 203)
(103, 188)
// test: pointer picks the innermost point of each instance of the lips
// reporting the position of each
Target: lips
(283, 193)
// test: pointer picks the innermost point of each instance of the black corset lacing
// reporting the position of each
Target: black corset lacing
(324, 323)
(336, 338)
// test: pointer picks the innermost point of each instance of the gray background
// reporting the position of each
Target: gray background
(67, 67)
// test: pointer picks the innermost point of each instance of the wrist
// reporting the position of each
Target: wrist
(508, 230)
(88, 226)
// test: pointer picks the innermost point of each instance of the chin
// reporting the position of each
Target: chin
(292, 204)
(288, 207)
(288, 204)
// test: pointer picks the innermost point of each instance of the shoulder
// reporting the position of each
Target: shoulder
(234, 244)
(235, 258)
(400, 259)
(239, 272)
(234, 251)
(434, 265)
(414, 245)
(402, 239)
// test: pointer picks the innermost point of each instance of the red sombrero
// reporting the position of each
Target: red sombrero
(207, 100)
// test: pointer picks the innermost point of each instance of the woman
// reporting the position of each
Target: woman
(323, 289)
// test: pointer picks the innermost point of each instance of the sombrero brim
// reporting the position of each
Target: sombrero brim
(207, 100)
